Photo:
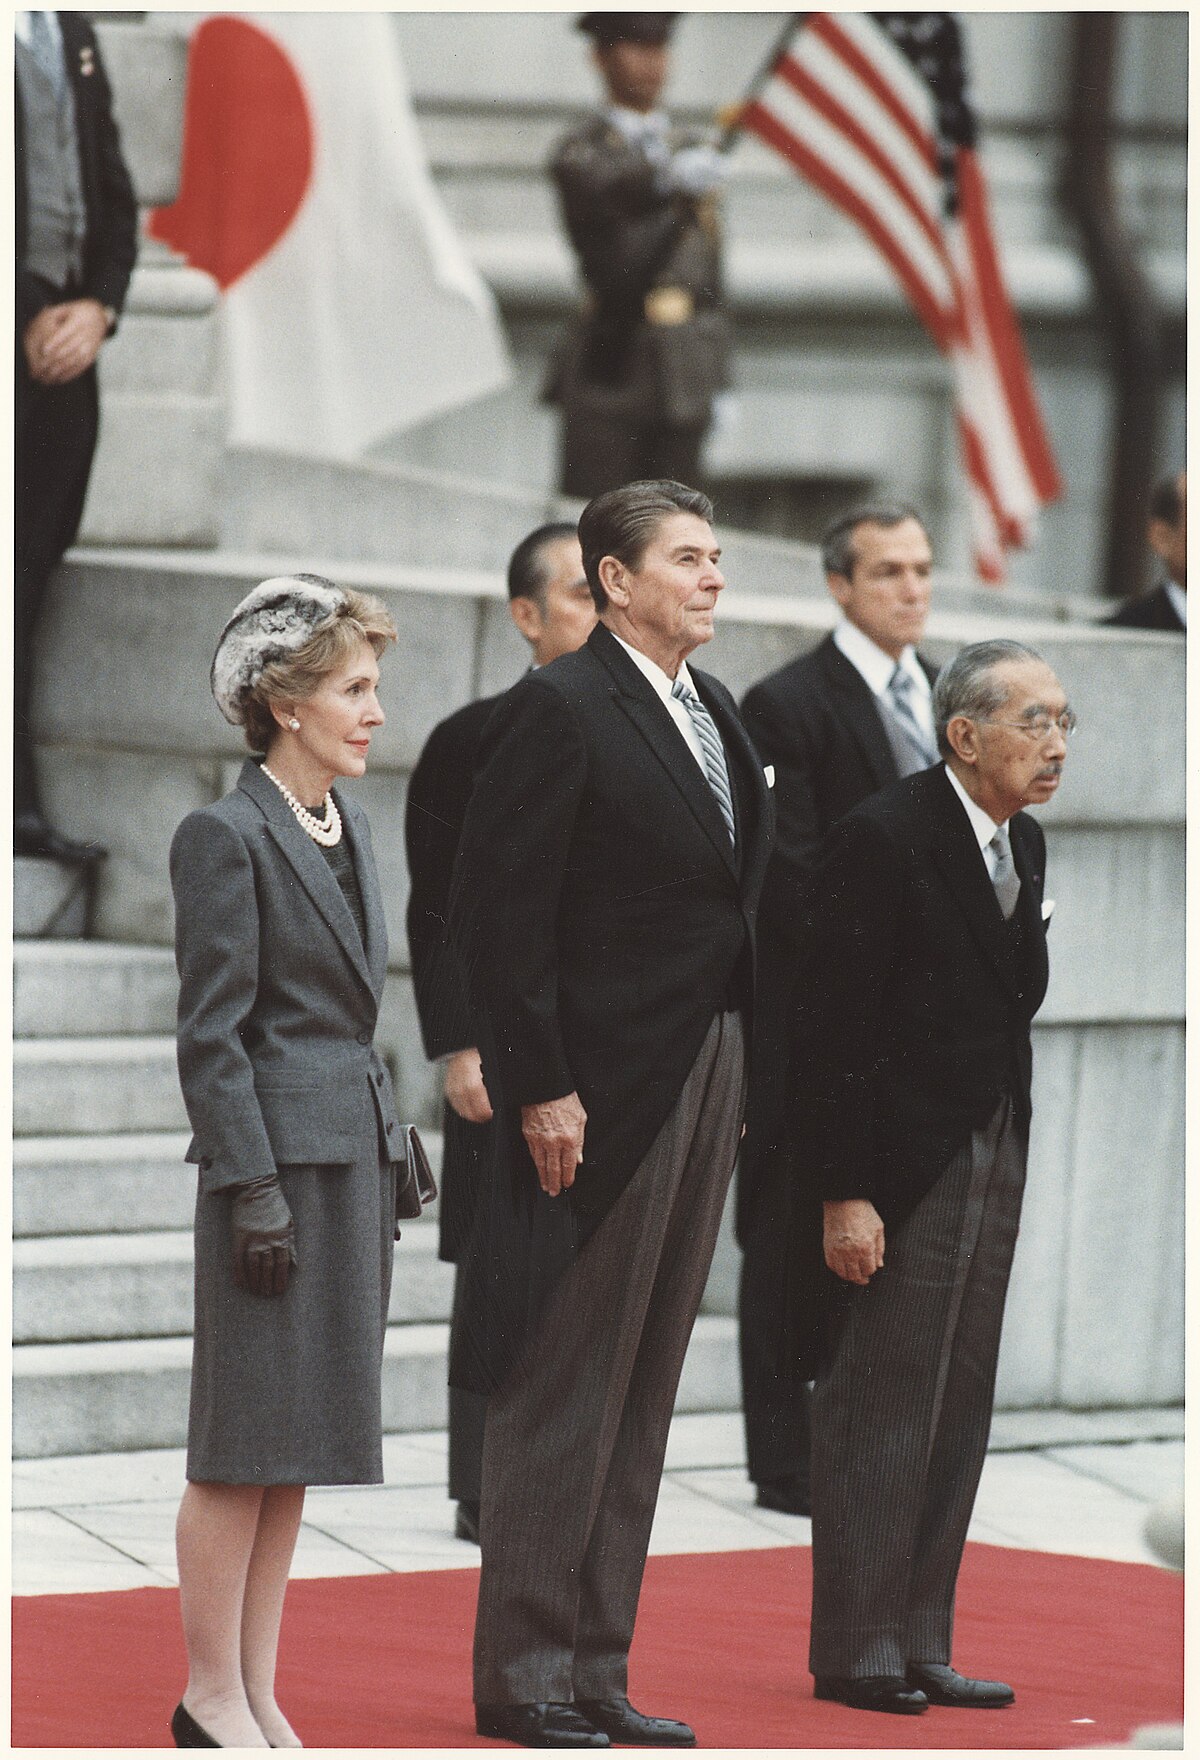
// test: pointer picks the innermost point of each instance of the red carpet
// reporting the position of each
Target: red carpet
(1094, 1650)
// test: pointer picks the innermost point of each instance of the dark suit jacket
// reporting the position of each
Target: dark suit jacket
(278, 997)
(1152, 610)
(602, 919)
(629, 237)
(438, 792)
(913, 1014)
(111, 238)
(817, 721)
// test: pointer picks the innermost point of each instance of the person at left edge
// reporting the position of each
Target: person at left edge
(282, 954)
(551, 604)
(76, 244)
(603, 913)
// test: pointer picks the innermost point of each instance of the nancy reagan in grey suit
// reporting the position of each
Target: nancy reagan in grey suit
(282, 954)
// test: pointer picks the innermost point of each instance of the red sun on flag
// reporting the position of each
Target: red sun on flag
(248, 151)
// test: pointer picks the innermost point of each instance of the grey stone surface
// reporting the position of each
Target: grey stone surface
(50, 898)
(397, 1034)
(383, 794)
(154, 353)
(147, 70)
(75, 988)
(101, 1185)
(175, 502)
(100, 1398)
(81, 1087)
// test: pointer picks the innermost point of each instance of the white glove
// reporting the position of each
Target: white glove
(694, 171)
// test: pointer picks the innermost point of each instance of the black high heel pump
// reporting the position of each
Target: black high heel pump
(187, 1731)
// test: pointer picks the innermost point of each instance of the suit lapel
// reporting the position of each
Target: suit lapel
(745, 775)
(1029, 909)
(358, 836)
(961, 863)
(650, 716)
(309, 866)
(860, 712)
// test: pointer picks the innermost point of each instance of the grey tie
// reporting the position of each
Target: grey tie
(46, 52)
(715, 766)
(1006, 882)
(900, 689)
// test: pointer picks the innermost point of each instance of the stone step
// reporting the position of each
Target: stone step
(126, 1286)
(50, 898)
(103, 1397)
(115, 1185)
(77, 989)
(74, 1087)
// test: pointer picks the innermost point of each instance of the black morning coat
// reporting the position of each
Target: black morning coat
(602, 918)
(110, 207)
(818, 723)
(912, 1015)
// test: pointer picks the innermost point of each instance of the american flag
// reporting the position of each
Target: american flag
(872, 108)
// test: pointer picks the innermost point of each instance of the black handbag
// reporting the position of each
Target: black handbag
(415, 1184)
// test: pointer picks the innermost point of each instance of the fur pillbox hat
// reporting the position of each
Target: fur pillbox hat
(274, 620)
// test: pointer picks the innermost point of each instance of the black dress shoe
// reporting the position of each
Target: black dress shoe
(187, 1731)
(466, 1522)
(33, 837)
(942, 1685)
(552, 1725)
(621, 1723)
(790, 1496)
(872, 1692)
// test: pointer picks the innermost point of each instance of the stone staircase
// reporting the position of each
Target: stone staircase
(102, 1201)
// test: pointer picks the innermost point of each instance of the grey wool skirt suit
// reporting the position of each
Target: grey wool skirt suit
(278, 1000)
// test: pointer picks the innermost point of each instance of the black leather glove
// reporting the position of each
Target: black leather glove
(264, 1237)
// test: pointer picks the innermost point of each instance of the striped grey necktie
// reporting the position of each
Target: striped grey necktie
(900, 689)
(1006, 882)
(715, 766)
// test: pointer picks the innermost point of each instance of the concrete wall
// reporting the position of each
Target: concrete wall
(131, 741)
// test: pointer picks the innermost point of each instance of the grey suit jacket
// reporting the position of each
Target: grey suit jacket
(278, 998)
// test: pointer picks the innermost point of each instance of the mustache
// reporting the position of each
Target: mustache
(1054, 769)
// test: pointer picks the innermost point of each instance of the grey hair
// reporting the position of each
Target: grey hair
(968, 685)
(837, 540)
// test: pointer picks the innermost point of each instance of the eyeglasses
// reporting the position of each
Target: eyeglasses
(1040, 727)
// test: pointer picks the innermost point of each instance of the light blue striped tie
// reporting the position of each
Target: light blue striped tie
(715, 766)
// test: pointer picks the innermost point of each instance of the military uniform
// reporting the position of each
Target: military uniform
(638, 372)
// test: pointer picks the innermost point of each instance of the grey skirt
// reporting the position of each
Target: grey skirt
(286, 1389)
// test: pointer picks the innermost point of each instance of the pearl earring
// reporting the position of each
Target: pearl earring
(294, 725)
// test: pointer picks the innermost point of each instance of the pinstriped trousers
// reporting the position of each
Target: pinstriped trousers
(901, 1416)
(575, 1440)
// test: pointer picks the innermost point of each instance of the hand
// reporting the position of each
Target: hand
(553, 1130)
(63, 340)
(853, 1239)
(694, 171)
(464, 1087)
(264, 1237)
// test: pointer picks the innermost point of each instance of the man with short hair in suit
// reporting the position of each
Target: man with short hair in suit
(550, 602)
(926, 964)
(1164, 606)
(76, 239)
(838, 723)
(603, 911)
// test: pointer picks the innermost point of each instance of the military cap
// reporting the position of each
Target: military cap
(607, 28)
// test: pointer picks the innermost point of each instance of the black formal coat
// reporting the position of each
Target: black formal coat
(817, 721)
(913, 1016)
(438, 792)
(1152, 610)
(602, 918)
(110, 207)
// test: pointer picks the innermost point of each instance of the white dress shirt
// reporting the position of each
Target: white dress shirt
(984, 827)
(675, 709)
(875, 668)
(1178, 598)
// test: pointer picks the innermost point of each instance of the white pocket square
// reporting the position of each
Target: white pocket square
(1047, 909)
(769, 773)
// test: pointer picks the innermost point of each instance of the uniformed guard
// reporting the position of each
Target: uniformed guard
(642, 363)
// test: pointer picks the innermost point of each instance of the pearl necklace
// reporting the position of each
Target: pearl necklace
(327, 831)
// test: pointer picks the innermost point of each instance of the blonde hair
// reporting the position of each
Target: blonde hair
(359, 618)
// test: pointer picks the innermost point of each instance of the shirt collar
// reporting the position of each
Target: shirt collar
(982, 824)
(636, 125)
(650, 670)
(1178, 598)
(875, 667)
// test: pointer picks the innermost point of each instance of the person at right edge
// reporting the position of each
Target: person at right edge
(1164, 607)
(926, 965)
(640, 367)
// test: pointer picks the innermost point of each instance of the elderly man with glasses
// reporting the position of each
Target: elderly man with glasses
(912, 1058)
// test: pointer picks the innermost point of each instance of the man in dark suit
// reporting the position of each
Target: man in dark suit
(551, 604)
(603, 910)
(76, 238)
(650, 351)
(838, 723)
(1164, 606)
(925, 966)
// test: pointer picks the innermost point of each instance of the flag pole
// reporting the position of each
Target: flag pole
(733, 128)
